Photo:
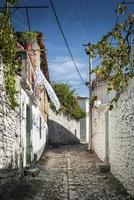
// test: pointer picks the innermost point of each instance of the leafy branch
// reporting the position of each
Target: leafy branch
(68, 100)
(8, 49)
(116, 56)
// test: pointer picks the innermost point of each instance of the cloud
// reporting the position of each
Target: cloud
(62, 69)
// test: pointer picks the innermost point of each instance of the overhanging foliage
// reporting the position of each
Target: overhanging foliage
(68, 100)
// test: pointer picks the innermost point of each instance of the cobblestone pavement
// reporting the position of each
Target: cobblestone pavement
(68, 173)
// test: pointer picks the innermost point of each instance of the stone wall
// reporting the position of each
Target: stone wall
(84, 122)
(63, 130)
(113, 137)
(10, 137)
(38, 133)
(121, 139)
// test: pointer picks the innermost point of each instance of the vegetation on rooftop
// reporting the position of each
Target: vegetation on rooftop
(69, 103)
(26, 37)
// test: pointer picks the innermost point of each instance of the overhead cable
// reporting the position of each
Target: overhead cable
(67, 45)
(68, 59)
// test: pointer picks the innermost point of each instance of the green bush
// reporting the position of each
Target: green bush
(68, 100)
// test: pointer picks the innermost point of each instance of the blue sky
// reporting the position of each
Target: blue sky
(83, 21)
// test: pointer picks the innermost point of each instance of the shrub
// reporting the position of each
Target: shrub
(68, 100)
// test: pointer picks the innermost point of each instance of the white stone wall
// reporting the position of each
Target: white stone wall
(100, 91)
(84, 122)
(117, 141)
(63, 130)
(98, 131)
(121, 139)
(10, 137)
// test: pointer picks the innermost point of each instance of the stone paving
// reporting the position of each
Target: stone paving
(67, 173)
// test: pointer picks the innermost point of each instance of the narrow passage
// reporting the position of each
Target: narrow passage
(67, 173)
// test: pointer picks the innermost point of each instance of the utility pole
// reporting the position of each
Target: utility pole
(5, 5)
(90, 94)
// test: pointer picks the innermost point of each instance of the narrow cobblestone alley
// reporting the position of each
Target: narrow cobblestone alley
(67, 173)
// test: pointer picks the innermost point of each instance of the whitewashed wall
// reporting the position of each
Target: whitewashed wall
(37, 143)
(84, 122)
(63, 130)
(10, 137)
(98, 131)
(119, 144)
(100, 91)
(121, 140)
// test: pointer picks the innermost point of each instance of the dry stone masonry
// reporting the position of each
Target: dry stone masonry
(121, 139)
(10, 138)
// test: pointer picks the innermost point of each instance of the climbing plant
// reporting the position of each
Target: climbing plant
(116, 55)
(26, 37)
(8, 49)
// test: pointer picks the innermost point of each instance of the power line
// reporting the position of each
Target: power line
(117, 19)
(67, 45)
(129, 2)
(79, 20)
(22, 25)
(16, 7)
(67, 60)
(28, 19)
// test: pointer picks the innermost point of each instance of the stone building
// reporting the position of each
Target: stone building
(34, 104)
(24, 131)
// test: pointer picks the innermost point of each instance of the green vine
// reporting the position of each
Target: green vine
(116, 56)
(26, 37)
(92, 99)
(8, 49)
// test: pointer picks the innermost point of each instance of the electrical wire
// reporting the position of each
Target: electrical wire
(67, 60)
(65, 40)
(79, 20)
(22, 25)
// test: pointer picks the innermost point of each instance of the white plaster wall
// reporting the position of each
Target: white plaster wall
(101, 92)
(38, 143)
(98, 131)
(63, 130)
(84, 123)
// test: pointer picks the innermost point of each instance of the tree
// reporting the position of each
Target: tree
(68, 100)
(116, 55)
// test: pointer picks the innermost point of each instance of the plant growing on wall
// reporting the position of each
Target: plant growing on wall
(8, 49)
(92, 99)
(26, 37)
(116, 55)
(68, 100)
